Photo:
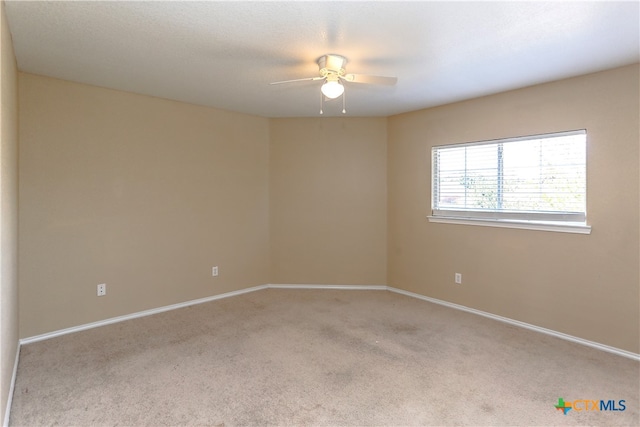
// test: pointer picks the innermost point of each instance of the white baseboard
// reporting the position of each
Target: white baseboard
(556, 334)
(144, 313)
(341, 287)
(7, 412)
(542, 330)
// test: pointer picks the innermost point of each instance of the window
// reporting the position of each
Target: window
(536, 181)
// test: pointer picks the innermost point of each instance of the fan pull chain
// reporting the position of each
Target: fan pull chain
(344, 109)
(321, 112)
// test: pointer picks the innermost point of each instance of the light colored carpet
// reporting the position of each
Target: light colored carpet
(317, 357)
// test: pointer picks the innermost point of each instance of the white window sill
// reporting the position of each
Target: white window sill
(508, 223)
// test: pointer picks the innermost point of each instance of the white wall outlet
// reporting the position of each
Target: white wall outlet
(214, 271)
(458, 278)
(102, 289)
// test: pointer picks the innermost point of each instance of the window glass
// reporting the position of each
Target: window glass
(536, 178)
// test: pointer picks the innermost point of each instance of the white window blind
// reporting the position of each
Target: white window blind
(534, 178)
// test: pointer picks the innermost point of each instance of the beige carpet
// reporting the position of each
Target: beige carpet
(317, 357)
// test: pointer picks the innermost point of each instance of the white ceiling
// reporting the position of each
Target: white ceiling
(224, 54)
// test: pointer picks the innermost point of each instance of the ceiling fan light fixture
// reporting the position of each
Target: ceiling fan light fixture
(332, 89)
(333, 72)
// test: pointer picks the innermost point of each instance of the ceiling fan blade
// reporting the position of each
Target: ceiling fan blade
(374, 80)
(297, 80)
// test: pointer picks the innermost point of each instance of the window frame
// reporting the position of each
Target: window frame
(559, 221)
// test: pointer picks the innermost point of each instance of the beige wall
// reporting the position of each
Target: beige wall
(582, 285)
(328, 200)
(147, 194)
(8, 210)
(140, 193)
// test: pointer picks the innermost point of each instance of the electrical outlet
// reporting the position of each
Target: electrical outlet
(214, 271)
(102, 289)
(458, 278)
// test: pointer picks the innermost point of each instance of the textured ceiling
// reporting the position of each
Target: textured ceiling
(224, 54)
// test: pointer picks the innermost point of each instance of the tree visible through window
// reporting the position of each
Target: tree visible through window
(537, 178)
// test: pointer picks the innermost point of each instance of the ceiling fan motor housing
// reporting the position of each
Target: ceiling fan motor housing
(332, 65)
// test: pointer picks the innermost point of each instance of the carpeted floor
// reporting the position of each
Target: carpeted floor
(317, 357)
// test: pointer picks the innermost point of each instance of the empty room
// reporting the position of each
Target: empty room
(319, 213)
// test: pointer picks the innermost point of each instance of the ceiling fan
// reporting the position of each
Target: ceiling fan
(333, 71)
